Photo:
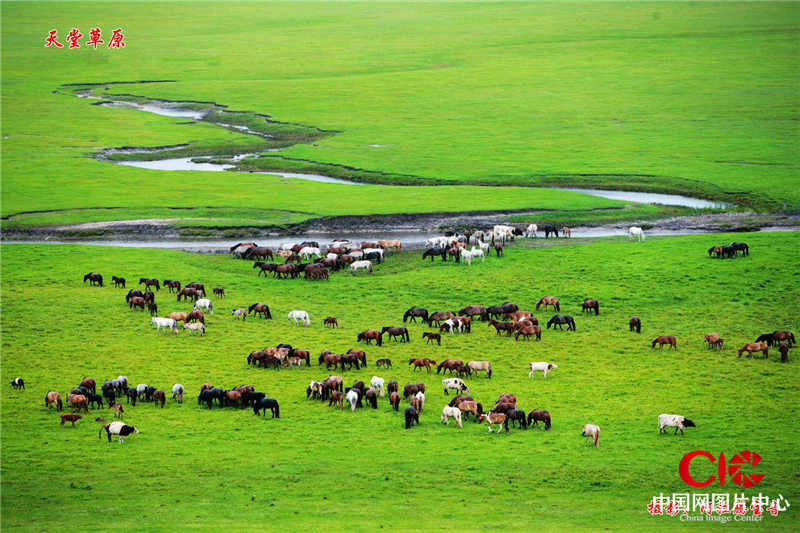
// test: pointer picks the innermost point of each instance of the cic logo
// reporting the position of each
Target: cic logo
(725, 470)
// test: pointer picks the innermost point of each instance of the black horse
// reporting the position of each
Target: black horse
(415, 312)
(766, 337)
(94, 279)
(635, 323)
(728, 251)
(132, 396)
(548, 229)
(517, 415)
(95, 399)
(267, 403)
(558, 320)
(411, 416)
(133, 293)
(153, 308)
(740, 247)
(433, 252)
(249, 397)
(118, 282)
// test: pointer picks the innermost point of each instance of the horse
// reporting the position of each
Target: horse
(474, 310)
(331, 322)
(177, 392)
(494, 418)
(740, 247)
(267, 403)
(188, 292)
(199, 287)
(118, 282)
(195, 326)
(136, 301)
(394, 400)
(518, 416)
(716, 250)
(152, 308)
(395, 332)
(420, 362)
(589, 304)
(531, 230)
(713, 340)
(361, 355)
(549, 300)
(167, 323)
(219, 292)
(90, 384)
(370, 335)
(439, 317)
(261, 309)
(94, 279)
(67, 417)
(78, 402)
(118, 428)
(548, 229)
(411, 416)
(507, 327)
(299, 316)
(783, 336)
(240, 313)
(784, 349)
(148, 282)
(195, 315)
(558, 320)
(637, 232)
(384, 362)
(449, 364)
(415, 312)
(751, 347)
(53, 398)
(566, 232)
(360, 265)
(159, 396)
(349, 359)
(481, 366)
(434, 252)
(432, 337)
(665, 339)
(119, 411)
(172, 285)
(592, 433)
(635, 323)
(178, 316)
(258, 252)
(18, 383)
(498, 249)
(451, 412)
(133, 293)
(410, 389)
(539, 415)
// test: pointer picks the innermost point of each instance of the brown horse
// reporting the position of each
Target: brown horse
(149, 282)
(94, 279)
(199, 287)
(539, 415)
(260, 309)
(548, 300)
(394, 400)
(178, 316)
(528, 332)
(331, 321)
(195, 315)
(449, 364)
(384, 362)
(589, 304)
(567, 232)
(783, 336)
(337, 398)
(751, 347)
(53, 398)
(498, 249)
(395, 332)
(67, 417)
(507, 327)
(432, 337)
(218, 291)
(187, 293)
(370, 335)
(440, 317)
(78, 402)
(420, 362)
(516, 316)
(784, 349)
(410, 389)
(469, 406)
(136, 301)
(635, 323)
(713, 340)
(159, 396)
(665, 339)
(90, 384)
(172, 284)
(330, 360)
(361, 355)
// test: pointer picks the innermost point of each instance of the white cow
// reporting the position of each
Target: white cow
(167, 323)
(544, 367)
(454, 383)
(299, 316)
(637, 232)
(377, 384)
(204, 303)
(679, 422)
(451, 412)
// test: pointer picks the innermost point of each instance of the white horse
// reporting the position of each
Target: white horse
(360, 265)
(308, 251)
(377, 384)
(477, 252)
(352, 399)
(204, 303)
(532, 229)
(332, 256)
(438, 242)
(466, 256)
(195, 326)
(636, 231)
(177, 392)
(451, 412)
(356, 254)
(452, 325)
(164, 323)
(299, 316)
(484, 246)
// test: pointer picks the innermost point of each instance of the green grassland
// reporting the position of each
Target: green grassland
(694, 98)
(317, 468)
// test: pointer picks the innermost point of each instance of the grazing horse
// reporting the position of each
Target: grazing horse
(589, 304)
(751, 347)
(637, 232)
(432, 337)
(188, 292)
(148, 282)
(473, 311)
(635, 323)
(133, 293)
(199, 287)
(740, 247)
(566, 232)
(539, 415)
(159, 396)
(240, 313)
(783, 336)
(411, 416)
(267, 403)
(349, 359)
(258, 252)
(421, 362)
(548, 229)
(78, 402)
(498, 249)
(481, 366)
(360, 265)
(18, 383)
(440, 317)
(549, 300)
(530, 331)
(118, 282)
(449, 364)
(118, 428)
(591, 431)
(172, 284)
(90, 384)
(370, 335)
(205, 304)
(784, 349)
(195, 326)
(713, 340)
(119, 411)
(331, 321)
(558, 320)
(395, 332)
(67, 417)
(434, 252)
(507, 327)
(299, 316)
(177, 392)
(415, 312)
(384, 362)
(261, 309)
(94, 279)
(499, 419)
(451, 412)
(410, 389)
(665, 339)
(137, 301)
(195, 315)
(518, 416)
(394, 400)
(53, 398)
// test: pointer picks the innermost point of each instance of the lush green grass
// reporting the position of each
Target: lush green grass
(318, 468)
(698, 98)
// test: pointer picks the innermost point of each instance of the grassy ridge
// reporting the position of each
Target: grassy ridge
(692, 98)
(316, 467)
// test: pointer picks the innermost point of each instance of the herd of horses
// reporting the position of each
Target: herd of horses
(729, 250)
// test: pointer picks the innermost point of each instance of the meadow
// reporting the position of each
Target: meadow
(320, 468)
(692, 98)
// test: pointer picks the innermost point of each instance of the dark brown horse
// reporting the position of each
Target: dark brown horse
(172, 284)
(384, 362)
(360, 354)
(506, 327)
(159, 396)
(260, 309)
(440, 317)
(409, 389)
(449, 364)
(258, 252)
(539, 415)
(473, 311)
(589, 304)
(118, 282)
(219, 292)
(330, 321)
(149, 282)
(136, 301)
(395, 332)
(199, 287)
(90, 384)
(784, 349)
(94, 279)
(195, 315)
(188, 293)
(635, 323)
(432, 337)
(528, 332)
(783, 336)
(498, 249)
(394, 400)
(370, 335)
(665, 339)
